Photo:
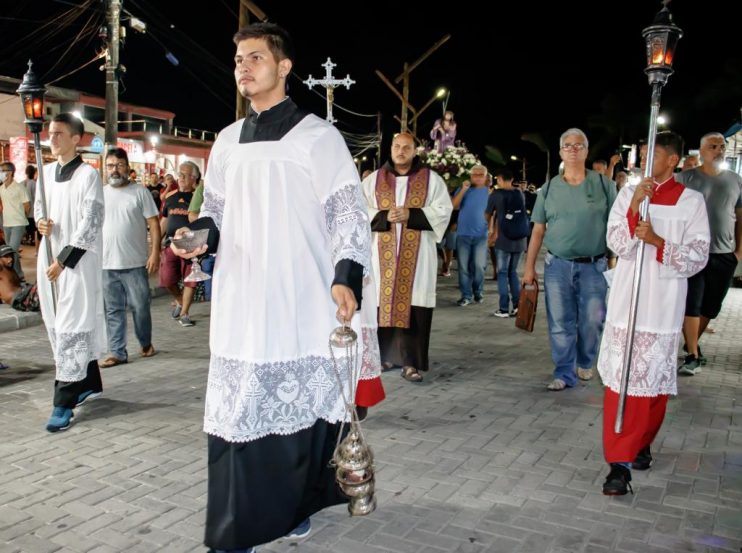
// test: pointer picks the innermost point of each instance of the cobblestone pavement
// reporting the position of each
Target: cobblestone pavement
(477, 458)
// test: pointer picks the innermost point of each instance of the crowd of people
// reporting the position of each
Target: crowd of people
(289, 220)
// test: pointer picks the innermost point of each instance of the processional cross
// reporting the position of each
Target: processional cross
(330, 83)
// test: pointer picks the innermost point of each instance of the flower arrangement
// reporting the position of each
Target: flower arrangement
(454, 164)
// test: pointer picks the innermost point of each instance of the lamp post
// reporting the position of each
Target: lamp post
(32, 96)
(661, 39)
(523, 164)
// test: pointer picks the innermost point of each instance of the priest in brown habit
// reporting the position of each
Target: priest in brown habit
(409, 207)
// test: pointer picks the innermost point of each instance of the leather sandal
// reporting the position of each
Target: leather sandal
(111, 362)
(411, 374)
(149, 351)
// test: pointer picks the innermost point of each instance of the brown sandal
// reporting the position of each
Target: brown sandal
(411, 375)
(149, 351)
(111, 362)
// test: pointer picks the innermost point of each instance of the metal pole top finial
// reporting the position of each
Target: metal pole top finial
(30, 81)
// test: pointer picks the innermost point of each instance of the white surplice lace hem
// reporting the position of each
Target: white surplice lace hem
(246, 401)
(371, 355)
(653, 370)
(347, 223)
(72, 353)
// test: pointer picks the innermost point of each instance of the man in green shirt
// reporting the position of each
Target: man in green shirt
(570, 218)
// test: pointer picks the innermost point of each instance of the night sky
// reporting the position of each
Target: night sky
(512, 67)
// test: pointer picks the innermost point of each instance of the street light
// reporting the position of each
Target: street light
(440, 93)
(662, 120)
(32, 96)
(523, 162)
(661, 39)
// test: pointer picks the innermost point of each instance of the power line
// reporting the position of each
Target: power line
(229, 9)
(73, 43)
(97, 57)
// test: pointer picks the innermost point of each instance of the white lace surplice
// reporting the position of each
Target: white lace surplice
(78, 330)
(659, 319)
(288, 211)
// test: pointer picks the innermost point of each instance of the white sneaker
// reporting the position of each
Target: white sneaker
(557, 385)
(584, 374)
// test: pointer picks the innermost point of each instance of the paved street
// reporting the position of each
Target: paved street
(478, 458)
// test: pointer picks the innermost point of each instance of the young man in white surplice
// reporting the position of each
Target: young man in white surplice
(286, 217)
(676, 237)
(73, 224)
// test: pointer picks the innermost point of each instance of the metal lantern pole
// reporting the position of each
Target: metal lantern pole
(32, 96)
(661, 39)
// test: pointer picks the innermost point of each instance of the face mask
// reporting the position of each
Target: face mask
(3, 175)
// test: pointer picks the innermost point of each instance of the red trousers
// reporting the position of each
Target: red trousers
(642, 419)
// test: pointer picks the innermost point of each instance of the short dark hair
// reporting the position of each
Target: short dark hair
(278, 39)
(505, 173)
(601, 161)
(30, 172)
(73, 122)
(9, 165)
(118, 153)
(672, 142)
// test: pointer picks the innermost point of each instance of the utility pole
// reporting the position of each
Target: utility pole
(246, 8)
(241, 102)
(404, 77)
(113, 16)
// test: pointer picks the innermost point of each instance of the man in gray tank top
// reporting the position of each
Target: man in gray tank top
(722, 191)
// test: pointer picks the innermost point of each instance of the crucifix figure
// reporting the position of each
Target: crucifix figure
(330, 83)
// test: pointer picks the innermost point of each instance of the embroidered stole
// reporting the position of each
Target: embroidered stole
(397, 270)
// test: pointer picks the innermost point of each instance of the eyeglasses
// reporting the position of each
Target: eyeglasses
(120, 165)
(576, 147)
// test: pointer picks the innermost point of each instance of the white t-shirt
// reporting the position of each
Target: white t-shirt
(13, 198)
(125, 226)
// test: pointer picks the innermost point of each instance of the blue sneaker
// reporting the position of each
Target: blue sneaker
(176, 312)
(251, 550)
(3, 366)
(86, 396)
(60, 419)
(301, 531)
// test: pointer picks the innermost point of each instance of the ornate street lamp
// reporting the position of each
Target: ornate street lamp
(32, 95)
(661, 39)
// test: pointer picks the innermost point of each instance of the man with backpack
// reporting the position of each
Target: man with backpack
(510, 228)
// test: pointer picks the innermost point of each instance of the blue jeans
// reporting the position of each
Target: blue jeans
(471, 252)
(13, 237)
(575, 309)
(124, 288)
(507, 272)
(207, 266)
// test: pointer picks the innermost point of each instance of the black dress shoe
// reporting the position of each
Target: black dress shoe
(643, 460)
(617, 481)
